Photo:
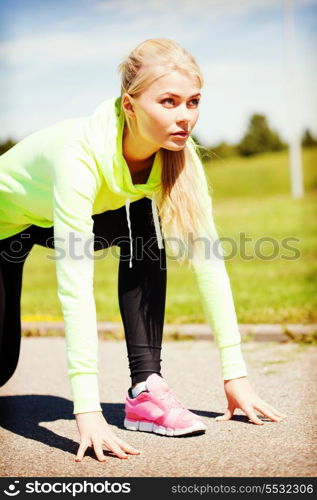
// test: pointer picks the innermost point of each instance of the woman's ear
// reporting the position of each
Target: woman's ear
(127, 105)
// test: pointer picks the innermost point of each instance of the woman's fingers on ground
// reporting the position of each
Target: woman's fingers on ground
(115, 448)
(127, 448)
(99, 451)
(227, 416)
(248, 410)
(268, 413)
(278, 413)
(81, 450)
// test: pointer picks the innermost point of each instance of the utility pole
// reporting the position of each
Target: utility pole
(295, 151)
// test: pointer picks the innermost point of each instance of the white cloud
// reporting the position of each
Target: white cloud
(60, 49)
(104, 44)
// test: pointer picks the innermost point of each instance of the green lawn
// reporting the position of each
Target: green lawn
(250, 197)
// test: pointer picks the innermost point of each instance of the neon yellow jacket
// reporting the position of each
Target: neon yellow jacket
(62, 175)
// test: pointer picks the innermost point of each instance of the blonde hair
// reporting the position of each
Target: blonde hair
(180, 202)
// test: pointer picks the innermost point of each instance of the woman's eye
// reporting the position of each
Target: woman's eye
(169, 100)
(195, 102)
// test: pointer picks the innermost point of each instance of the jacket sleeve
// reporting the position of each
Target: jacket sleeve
(76, 182)
(214, 287)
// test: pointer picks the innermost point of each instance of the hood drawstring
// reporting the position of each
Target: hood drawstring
(156, 224)
(127, 208)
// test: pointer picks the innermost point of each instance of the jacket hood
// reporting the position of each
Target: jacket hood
(103, 132)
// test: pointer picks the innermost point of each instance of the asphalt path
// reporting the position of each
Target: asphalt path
(39, 437)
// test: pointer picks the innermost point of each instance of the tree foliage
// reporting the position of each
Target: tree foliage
(308, 140)
(259, 138)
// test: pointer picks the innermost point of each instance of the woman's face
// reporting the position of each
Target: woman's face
(167, 111)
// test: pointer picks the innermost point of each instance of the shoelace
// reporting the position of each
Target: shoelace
(169, 399)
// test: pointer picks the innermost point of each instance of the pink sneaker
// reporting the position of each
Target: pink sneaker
(157, 410)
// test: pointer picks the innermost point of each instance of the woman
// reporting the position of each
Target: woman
(128, 172)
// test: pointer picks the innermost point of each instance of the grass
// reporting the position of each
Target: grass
(251, 198)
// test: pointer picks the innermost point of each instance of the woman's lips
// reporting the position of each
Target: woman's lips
(181, 135)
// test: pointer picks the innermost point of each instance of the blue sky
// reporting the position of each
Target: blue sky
(59, 59)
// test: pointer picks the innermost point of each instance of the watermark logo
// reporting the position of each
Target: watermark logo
(12, 490)
(79, 248)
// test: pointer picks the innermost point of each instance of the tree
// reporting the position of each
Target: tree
(259, 138)
(308, 140)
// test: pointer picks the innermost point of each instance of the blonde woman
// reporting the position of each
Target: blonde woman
(127, 175)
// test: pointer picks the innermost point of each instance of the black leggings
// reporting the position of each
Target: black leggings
(141, 288)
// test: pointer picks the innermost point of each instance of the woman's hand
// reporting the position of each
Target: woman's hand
(94, 431)
(241, 395)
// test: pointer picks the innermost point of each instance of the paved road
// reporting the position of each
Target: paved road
(38, 435)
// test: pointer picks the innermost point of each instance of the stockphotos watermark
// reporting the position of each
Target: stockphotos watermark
(61, 487)
(79, 248)
(166, 487)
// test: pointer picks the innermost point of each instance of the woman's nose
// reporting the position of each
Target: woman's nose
(183, 115)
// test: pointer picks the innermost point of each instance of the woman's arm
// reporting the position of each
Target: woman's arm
(76, 182)
(75, 186)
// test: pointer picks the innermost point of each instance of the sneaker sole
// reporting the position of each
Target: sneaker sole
(139, 425)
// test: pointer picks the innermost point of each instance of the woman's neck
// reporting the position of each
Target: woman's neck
(138, 155)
